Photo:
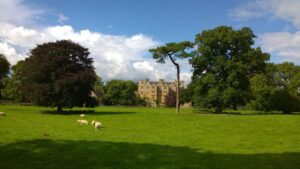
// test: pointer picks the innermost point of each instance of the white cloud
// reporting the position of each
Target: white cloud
(16, 12)
(246, 11)
(115, 57)
(283, 9)
(62, 18)
(8, 50)
(283, 44)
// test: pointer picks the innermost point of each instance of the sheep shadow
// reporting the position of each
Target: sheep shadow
(50, 154)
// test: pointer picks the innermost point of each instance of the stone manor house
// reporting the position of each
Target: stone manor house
(159, 93)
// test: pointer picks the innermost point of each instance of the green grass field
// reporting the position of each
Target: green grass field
(138, 138)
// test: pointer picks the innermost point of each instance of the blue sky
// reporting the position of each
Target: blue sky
(119, 33)
(167, 20)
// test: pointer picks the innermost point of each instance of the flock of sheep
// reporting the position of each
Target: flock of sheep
(83, 121)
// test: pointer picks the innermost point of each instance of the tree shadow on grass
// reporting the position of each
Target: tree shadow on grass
(77, 112)
(63, 154)
(68, 112)
(237, 112)
(114, 112)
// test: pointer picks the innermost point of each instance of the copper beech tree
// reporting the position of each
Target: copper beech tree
(59, 74)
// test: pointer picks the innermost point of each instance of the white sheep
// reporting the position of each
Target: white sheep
(83, 122)
(2, 114)
(98, 125)
(82, 115)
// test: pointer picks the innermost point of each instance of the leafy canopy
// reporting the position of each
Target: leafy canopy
(59, 74)
(4, 66)
(13, 85)
(4, 70)
(277, 89)
(223, 63)
(172, 50)
(120, 92)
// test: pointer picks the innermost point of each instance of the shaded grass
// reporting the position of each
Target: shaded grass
(48, 154)
(147, 138)
(241, 112)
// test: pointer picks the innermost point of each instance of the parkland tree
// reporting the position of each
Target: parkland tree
(59, 74)
(13, 85)
(173, 51)
(4, 66)
(277, 89)
(223, 64)
(4, 70)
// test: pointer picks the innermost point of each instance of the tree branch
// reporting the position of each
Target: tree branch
(173, 61)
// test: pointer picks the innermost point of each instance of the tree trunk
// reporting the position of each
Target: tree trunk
(59, 108)
(177, 84)
(178, 89)
(219, 109)
(234, 106)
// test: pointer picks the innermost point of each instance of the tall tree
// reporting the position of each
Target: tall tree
(59, 74)
(223, 63)
(4, 66)
(13, 85)
(173, 51)
(4, 70)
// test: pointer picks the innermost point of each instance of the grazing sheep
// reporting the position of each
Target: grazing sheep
(83, 122)
(82, 115)
(2, 114)
(93, 122)
(98, 125)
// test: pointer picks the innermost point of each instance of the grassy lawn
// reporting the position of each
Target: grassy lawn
(137, 138)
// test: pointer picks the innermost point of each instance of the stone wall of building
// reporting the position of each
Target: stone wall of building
(159, 93)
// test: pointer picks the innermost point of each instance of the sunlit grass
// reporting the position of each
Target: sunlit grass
(147, 138)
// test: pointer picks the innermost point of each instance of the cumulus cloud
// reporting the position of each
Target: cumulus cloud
(16, 12)
(283, 9)
(284, 44)
(115, 57)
